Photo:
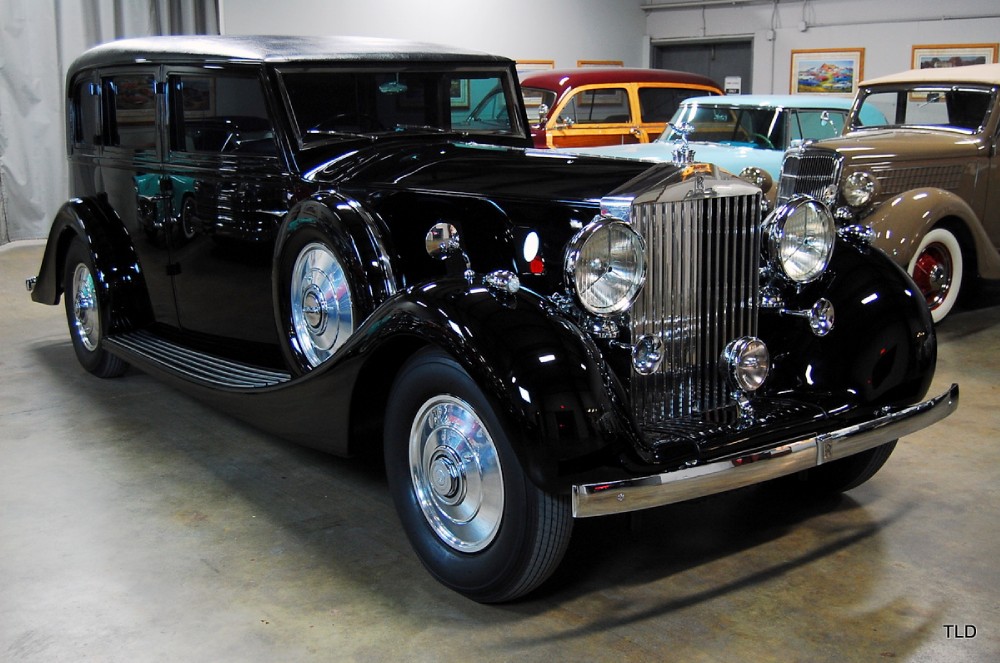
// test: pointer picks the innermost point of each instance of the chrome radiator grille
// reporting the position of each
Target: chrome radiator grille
(700, 293)
(807, 172)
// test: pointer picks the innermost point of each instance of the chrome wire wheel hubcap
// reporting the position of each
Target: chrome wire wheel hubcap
(322, 311)
(86, 315)
(456, 473)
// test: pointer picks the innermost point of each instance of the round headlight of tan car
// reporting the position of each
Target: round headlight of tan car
(859, 188)
(605, 266)
(801, 238)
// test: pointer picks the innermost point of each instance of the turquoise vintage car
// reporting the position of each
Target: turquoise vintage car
(737, 132)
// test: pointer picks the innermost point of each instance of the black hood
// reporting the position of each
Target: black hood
(486, 171)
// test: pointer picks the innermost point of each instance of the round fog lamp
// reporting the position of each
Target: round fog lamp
(748, 362)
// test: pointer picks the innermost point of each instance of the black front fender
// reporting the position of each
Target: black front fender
(546, 379)
(882, 349)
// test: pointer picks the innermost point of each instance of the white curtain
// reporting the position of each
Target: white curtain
(39, 39)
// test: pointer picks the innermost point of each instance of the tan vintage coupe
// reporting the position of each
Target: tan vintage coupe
(927, 182)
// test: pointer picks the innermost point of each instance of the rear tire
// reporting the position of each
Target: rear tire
(475, 520)
(87, 314)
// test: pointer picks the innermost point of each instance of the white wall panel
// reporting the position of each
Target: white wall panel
(559, 30)
(887, 30)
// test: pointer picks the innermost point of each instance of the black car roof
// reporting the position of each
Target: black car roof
(273, 49)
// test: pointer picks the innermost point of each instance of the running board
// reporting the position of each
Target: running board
(143, 346)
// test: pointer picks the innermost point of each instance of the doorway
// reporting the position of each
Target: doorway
(719, 60)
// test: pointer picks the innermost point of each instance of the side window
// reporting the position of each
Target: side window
(131, 102)
(597, 106)
(219, 114)
(658, 104)
(85, 114)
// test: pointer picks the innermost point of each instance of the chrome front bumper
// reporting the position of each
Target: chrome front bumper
(599, 499)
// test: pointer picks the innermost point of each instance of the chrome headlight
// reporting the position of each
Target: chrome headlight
(801, 237)
(859, 188)
(605, 266)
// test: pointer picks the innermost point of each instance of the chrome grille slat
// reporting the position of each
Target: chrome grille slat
(807, 172)
(700, 294)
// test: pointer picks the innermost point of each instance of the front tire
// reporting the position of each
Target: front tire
(475, 520)
(938, 270)
(87, 314)
(844, 474)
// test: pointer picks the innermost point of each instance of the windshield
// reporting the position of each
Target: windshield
(761, 128)
(962, 108)
(328, 104)
(744, 127)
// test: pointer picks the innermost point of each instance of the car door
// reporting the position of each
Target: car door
(228, 194)
(595, 115)
(131, 172)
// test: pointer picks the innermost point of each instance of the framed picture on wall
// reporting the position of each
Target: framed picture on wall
(600, 63)
(530, 66)
(525, 67)
(933, 56)
(827, 71)
(460, 93)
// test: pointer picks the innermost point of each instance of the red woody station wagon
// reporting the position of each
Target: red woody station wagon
(606, 106)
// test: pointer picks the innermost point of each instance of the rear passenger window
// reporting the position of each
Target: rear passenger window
(658, 104)
(598, 106)
(85, 113)
(132, 102)
(219, 114)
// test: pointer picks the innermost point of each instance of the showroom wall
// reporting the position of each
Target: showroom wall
(886, 30)
(568, 30)
(559, 30)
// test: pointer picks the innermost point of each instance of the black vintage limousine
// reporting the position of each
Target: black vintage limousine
(334, 239)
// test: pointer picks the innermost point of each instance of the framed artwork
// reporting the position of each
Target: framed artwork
(528, 66)
(460, 93)
(600, 63)
(135, 98)
(199, 97)
(827, 71)
(933, 56)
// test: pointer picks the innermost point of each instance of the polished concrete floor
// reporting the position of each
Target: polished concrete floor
(138, 525)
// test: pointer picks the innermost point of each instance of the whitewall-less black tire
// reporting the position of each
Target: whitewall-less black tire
(87, 314)
(478, 524)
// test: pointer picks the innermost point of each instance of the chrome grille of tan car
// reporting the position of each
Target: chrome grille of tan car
(807, 172)
(700, 293)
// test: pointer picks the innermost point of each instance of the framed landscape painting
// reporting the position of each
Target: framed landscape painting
(827, 71)
(933, 56)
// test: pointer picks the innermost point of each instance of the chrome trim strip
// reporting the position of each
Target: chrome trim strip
(599, 499)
